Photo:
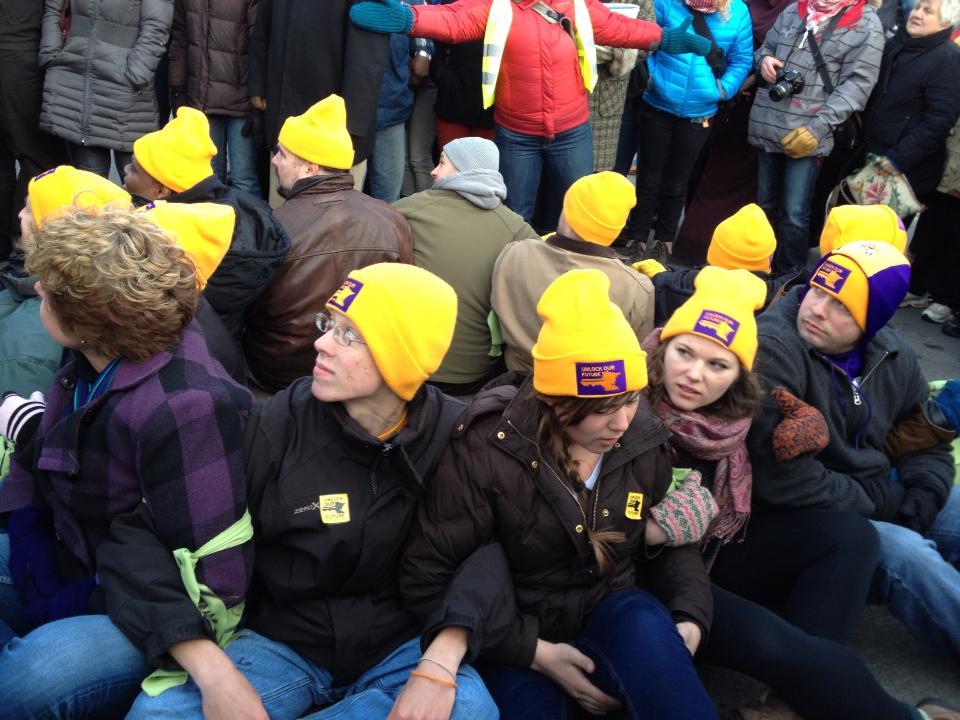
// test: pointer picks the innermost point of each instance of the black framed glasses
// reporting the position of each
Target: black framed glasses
(341, 335)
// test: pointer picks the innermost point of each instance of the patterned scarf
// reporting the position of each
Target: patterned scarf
(819, 11)
(723, 441)
(704, 6)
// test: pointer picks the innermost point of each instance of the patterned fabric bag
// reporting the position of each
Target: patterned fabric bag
(872, 186)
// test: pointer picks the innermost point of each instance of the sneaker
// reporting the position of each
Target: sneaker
(915, 301)
(938, 710)
(952, 327)
(937, 313)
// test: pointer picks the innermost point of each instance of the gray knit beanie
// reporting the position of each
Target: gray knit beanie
(473, 153)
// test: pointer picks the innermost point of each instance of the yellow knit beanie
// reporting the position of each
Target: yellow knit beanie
(178, 155)
(406, 316)
(203, 230)
(722, 309)
(586, 347)
(320, 135)
(744, 240)
(596, 206)
(854, 223)
(53, 192)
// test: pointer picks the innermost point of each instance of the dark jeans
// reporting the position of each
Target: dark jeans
(785, 192)
(97, 159)
(818, 678)
(640, 659)
(21, 88)
(814, 567)
(667, 149)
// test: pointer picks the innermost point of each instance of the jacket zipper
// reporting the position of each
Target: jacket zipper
(854, 385)
(85, 115)
(374, 485)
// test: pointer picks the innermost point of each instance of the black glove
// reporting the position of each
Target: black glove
(918, 510)
(887, 496)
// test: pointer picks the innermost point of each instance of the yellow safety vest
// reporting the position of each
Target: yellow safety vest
(495, 38)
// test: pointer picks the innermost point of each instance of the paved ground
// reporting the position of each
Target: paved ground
(896, 660)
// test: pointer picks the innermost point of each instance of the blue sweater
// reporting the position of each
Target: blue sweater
(684, 85)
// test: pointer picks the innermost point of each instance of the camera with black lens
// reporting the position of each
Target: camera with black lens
(789, 83)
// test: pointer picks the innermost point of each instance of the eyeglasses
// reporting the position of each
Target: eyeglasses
(342, 336)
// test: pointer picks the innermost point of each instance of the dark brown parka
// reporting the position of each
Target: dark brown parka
(210, 54)
(495, 484)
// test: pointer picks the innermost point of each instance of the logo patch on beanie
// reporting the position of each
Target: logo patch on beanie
(717, 326)
(830, 276)
(601, 378)
(343, 298)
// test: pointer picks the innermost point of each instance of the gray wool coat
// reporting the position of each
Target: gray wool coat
(98, 89)
(852, 55)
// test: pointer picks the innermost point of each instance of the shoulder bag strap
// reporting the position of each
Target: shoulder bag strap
(815, 49)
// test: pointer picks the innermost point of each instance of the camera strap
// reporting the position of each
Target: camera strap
(815, 49)
(552, 16)
(715, 58)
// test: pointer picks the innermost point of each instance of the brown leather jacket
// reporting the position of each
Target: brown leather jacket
(333, 230)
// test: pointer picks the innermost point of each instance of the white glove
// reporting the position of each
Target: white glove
(17, 411)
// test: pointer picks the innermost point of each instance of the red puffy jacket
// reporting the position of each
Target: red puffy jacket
(540, 89)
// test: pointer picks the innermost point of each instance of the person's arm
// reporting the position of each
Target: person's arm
(803, 481)
(739, 57)
(858, 74)
(459, 22)
(177, 53)
(156, 16)
(616, 30)
(259, 46)
(226, 692)
(941, 108)
(51, 35)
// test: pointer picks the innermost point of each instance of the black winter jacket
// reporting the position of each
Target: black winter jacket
(331, 507)
(494, 484)
(20, 24)
(851, 473)
(674, 287)
(299, 54)
(914, 106)
(258, 247)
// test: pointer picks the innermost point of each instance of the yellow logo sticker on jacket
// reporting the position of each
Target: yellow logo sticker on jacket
(634, 505)
(334, 509)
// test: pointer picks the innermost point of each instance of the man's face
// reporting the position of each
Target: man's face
(289, 167)
(444, 168)
(138, 182)
(824, 322)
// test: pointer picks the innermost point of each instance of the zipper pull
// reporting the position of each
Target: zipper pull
(856, 397)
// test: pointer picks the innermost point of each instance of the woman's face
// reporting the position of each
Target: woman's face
(52, 323)
(924, 19)
(697, 371)
(341, 372)
(599, 432)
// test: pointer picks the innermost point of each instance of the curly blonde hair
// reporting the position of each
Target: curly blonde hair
(115, 281)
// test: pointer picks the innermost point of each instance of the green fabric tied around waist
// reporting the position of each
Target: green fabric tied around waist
(222, 619)
(6, 451)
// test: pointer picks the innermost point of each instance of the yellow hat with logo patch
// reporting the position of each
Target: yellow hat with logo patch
(586, 348)
(722, 309)
(55, 191)
(320, 135)
(203, 230)
(596, 206)
(744, 240)
(179, 154)
(856, 223)
(406, 316)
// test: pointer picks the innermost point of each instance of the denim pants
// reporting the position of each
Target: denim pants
(97, 159)
(421, 131)
(563, 161)
(919, 578)
(667, 149)
(227, 134)
(289, 685)
(78, 667)
(640, 660)
(785, 191)
(386, 162)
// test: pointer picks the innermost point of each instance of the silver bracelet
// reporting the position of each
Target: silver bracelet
(439, 664)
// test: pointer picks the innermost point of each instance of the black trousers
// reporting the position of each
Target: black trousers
(936, 250)
(21, 91)
(667, 150)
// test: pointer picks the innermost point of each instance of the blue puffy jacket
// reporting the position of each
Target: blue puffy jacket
(684, 85)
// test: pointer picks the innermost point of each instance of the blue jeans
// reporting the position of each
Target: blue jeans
(385, 169)
(919, 577)
(77, 667)
(289, 685)
(640, 660)
(785, 191)
(565, 159)
(227, 135)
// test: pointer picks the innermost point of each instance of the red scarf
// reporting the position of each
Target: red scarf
(819, 11)
(704, 6)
